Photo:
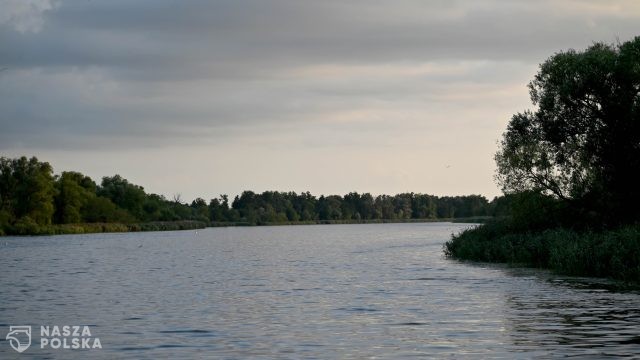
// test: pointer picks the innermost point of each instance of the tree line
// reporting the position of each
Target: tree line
(31, 195)
(282, 207)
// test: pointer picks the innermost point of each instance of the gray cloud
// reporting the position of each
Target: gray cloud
(187, 39)
(24, 15)
(282, 73)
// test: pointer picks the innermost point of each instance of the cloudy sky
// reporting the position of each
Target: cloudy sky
(209, 97)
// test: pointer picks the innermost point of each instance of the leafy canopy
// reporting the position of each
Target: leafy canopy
(582, 143)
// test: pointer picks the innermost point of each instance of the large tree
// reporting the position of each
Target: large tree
(74, 190)
(582, 142)
(26, 190)
(124, 194)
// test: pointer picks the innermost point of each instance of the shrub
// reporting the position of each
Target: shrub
(25, 226)
(611, 253)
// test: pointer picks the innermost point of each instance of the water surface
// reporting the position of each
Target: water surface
(327, 291)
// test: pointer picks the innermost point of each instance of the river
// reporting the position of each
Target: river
(325, 291)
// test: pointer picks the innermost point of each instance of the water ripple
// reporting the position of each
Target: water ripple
(340, 291)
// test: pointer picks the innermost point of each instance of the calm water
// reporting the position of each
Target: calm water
(332, 291)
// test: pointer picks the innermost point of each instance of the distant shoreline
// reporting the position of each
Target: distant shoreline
(97, 228)
(475, 219)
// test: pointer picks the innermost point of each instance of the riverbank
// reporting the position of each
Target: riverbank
(609, 253)
(88, 228)
(28, 229)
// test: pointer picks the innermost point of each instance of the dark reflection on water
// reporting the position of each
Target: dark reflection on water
(581, 316)
(335, 291)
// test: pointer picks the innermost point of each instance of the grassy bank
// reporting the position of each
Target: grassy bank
(87, 228)
(609, 253)
(31, 228)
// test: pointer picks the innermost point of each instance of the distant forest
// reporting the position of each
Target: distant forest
(31, 196)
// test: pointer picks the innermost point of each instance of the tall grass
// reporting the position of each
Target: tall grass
(607, 253)
(31, 228)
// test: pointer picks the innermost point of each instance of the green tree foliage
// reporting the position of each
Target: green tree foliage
(582, 142)
(101, 209)
(74, 191)
(219, 210)
(279, 207)
(200, 210)
(124, 194)
(31, 199)
(26, 191)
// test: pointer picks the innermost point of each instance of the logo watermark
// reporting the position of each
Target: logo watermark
(54, 337)
(19, 337)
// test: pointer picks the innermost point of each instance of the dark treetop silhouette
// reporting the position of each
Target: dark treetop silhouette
(571, 170)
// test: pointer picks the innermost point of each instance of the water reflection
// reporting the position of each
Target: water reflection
(574, 316)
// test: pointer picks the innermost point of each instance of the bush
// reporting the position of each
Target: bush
(25, 226)
(612, 253)
(4, 221)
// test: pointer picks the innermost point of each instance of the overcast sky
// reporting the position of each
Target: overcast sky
(208, 97)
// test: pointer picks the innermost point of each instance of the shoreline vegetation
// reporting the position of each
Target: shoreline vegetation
(571, 170)
(611, 253)
(34, 201)
(92, 228)
(470, 220)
